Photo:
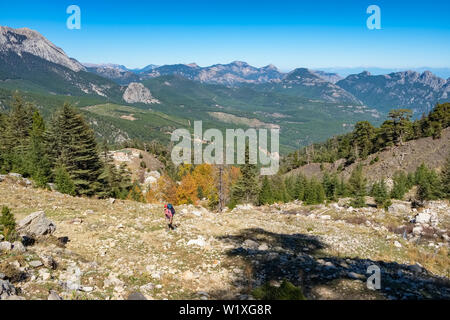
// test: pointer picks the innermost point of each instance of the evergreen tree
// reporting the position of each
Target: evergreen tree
(342, 189)
(39, 164)
(357, 183)
(63, 181)
(72, 145)
(16, 138)
(364, 135)
(246, 188)
(381, 195)
(445, 177)
(330, 185)
(265, 194)
(429, 186)
(401, 124)
(314, 192)
(8, 225)
(300, 185)
(401, 185)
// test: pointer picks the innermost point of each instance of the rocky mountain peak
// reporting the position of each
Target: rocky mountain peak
(270, 67)
(137, 93)
(193, 65)
(25, 40)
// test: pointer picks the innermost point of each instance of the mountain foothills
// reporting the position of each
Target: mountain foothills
(408, 89)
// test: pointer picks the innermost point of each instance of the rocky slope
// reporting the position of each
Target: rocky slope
(406, 157)
(105, 249)
(30, 41)
(408, 89)
(30, 62)
(137, 93)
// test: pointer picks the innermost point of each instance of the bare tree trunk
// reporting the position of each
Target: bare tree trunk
(221, 204)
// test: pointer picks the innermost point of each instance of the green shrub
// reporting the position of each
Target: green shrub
(63, 181)
(286, 291)
(8, 224)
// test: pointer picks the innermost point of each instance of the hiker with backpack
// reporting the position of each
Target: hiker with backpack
(169, 212)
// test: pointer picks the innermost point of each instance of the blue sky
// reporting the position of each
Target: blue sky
(289, 34)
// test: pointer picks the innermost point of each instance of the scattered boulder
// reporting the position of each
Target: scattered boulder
(417, 230)
(399, 207)
(18, 247)
(15, 175)
(35, 264)
(423, 217)
(397, 244)
(416, 268)
(35, 225)
(250, 244)
(54, 296)
(147, 287)
(49, 262)
(6, 289)
(71, 279)
(5, 246)
(136, 296)
(200, 241)
(1, 237)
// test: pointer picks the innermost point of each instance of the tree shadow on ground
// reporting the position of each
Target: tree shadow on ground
(272, 257)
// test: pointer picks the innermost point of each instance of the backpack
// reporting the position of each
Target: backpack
(171, 208)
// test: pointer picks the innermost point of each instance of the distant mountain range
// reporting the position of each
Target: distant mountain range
(403, 89)
(306, 104)
(344, 72)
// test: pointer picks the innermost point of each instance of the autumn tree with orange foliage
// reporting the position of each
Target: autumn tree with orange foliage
(166, 190)
(187, 192)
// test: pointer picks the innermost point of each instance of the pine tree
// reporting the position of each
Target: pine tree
(330, 185)
(63, 181)
(445, 177)
(39, 164)
(300, 185)
(342, 189)
(8, 225)
(429, 185)
(265, 194)
(400, 185)
(17, 136)
(246, 188)
(314, 192)
(364, 135)
(357, 183)
(381, 195)
(72, 145)
(3, 149)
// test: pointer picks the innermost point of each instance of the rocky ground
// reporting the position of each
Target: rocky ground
(105, 249)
